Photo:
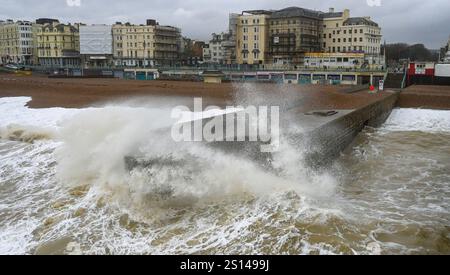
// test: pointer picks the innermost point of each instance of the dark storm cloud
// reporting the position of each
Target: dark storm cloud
(412, 21)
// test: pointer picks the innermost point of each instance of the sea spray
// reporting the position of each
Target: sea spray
(392, 197)
(97, 141)
(96, 144)
(284, 96)
(208, 191)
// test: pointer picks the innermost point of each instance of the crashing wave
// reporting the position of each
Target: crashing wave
(27, 134)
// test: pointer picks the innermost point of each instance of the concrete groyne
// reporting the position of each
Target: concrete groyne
(325, 133)
(327, 141)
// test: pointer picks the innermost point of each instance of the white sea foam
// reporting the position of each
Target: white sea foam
(418, 120)
(221, 203)
(14, 111)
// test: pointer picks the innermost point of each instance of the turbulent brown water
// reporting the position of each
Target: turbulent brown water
(64, 190)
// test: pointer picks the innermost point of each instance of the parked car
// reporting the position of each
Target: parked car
(15, 67)
(11, 66)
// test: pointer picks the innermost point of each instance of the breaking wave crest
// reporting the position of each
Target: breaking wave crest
(97, 142)
(27, 134)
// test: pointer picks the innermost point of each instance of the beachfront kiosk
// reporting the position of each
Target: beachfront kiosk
(212, 76)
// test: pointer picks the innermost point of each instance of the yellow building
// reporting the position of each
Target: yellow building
(283, 37)
(133, 45)
(252, 41)
(57, 45)
(16, 42)
(145, 45)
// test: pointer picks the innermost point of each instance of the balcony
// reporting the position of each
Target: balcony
(166, 50)
(165, 42)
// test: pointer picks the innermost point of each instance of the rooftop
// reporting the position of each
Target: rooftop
(257, 12)
(19, 22)
(302, 12)
(360, 21)
(332, 14)
(296, 12)
(59, 27)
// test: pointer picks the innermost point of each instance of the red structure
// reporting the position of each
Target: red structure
(420, 73)
(421, 68)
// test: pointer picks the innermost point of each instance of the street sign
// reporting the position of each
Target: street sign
(381, 85)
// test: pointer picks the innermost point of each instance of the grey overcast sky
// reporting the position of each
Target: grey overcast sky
(411, 21)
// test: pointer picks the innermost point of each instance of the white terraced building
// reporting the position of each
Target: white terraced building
(215, 52)
(16, 42)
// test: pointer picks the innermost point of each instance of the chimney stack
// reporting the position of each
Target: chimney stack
(151, 22)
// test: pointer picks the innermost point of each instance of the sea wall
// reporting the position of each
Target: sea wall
(425, 97)
(323, 139)
(325, 143)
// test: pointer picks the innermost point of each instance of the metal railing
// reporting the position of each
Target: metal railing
(404, 79)
(249, 68)
(223, 68)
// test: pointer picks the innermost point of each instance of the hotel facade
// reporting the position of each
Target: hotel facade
(16, 42)
(57, 45)
(284, 37)
(145, 45)
(252, 37)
